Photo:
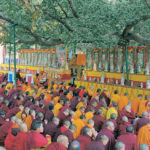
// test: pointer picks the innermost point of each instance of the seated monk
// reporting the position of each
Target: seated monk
(129, 139)
(123, 125)
(141, 122)
(51, 128)
(89, 114)
(112, 110)
(108, 131)
(123, 102)
(4, 106)
(49, 113)
(119, 146)
(135, 103)
(144, 135)
(126, 112)
(99, 144)
(69, 133)
(2, 117)
(61, 144)
(75, 145)
(34, 139)
(98, 120)
(85, 138)
(79, 112)
(58, 106)
(79, 123)
(116, 98)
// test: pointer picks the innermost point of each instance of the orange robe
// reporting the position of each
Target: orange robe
(135, 105)
(77, 114)
(56, 99)
(144, 135)
(79, 125)
(104, 112)
(28, 121)
(123, 102)
(142, 107)
(57, 109)
(115, 98)
(79, 105)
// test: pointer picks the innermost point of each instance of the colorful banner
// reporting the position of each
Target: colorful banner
(61, 54)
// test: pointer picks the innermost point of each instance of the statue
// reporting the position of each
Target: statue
(148, 84)
(139, 69)
(117, 82)
(102, 78)
(147, 69)
(131, 69)
(124, 68)
(141, 85)
(100, 65)
(85, 76)
(112, 68)
(122, 80)
(118, 68)
(94, 67)
(106, 66)
(132, 83)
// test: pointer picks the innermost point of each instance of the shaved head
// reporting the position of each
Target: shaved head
(125, 119)
(143, 147)
(145, 114)
(75, 145)
(119, 146)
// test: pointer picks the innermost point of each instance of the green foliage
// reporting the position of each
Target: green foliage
(98, 22)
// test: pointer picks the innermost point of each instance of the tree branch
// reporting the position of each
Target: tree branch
(133, 23)
(147, 3)
(73, 9)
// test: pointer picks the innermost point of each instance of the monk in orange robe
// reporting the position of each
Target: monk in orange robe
(144, 135)
(135, 103)
(115, 97)
(89, 114)
(123, 102)
(143, 105)
(79, 123)
(78, 113)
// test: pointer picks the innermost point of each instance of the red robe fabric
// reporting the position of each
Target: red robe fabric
(12, 112)
(35, 140)
(130, 141)
(122, 128)
(69, 134)
(98, 122)
(84, 141)
(20, 141)
(96, 145)
(55, 146)
(4, 107)
(49, 115)
(111, 137)
(4, 131)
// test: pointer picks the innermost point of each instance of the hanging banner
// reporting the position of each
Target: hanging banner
(120, 60)
(61, 55)
(104, 60)
(140, 60)
(89, 60)
(10, 76)
(111, 61)
(130, 60)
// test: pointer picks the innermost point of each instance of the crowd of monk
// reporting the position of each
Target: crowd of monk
(56, 116)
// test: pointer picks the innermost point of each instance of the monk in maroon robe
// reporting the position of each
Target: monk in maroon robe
(49, 115)
(98, 120)
(4, 131)
(4, 106)
(108, 131)
(34, 138)
(141, 122)
(61, 144)
(85, 138)
(129, 139)
(99, 144)
(52, 128)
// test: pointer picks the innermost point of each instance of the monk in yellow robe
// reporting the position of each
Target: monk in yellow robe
(112, 110)
(57, 107)
(135, 103)
(82, 103)
(115, 97)
(78, 113)
(89, 114)
(144, 135)
(123, 102)
(79, 123)
(104, 109)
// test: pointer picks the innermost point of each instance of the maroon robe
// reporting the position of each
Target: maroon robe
(12, 112)
(130, 141)
(98, 122)
(96, 145)
(122, 128)
(62, 117)
(49, 115)
(28, 103)
(4, 107)
(4, 131)
(55, 146)
(107, 99)
(111, 142)
(69, 134)
(63, 108)
(122, 113)
(50, 129)
(35, 140)
(140, 123)
(84, 141)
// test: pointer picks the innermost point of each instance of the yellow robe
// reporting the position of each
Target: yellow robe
(135, 105)
(115, 98)
(88, 115)
(104, 112)
(79, 125)
(110, 111)
(18, 115)
(77, 114)
(80, 104)
(123, 102)
(57, 108)
(142, 107)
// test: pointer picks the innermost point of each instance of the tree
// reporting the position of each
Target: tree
(98, 22)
